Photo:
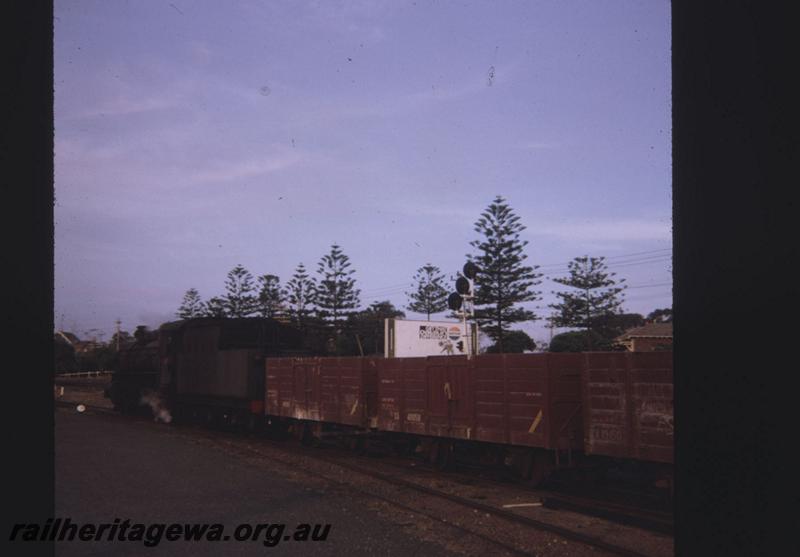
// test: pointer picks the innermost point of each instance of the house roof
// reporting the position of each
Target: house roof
(657, 330)
(69, 337)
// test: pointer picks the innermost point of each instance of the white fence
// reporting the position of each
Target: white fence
(84, 374)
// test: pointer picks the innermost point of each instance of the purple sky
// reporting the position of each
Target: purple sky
(193, 136)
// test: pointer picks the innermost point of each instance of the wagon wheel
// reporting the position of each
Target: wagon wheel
(494, 457)
(671, 495)
(307, 438)
(401, 447)
(296, 430)
(177, 415)
(433, 452)
(541, 467)
(441, 454)
(278, 430)
(523, 464)
(356, 444)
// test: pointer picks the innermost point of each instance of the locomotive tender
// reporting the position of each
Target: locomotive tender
(208, 368)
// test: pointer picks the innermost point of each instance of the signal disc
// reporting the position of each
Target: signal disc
(454, 301)
(470, 270)
(462, 285)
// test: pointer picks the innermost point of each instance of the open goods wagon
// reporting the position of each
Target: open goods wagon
(527, 401)
(530, 400)
(628, 405)
(535, 411)
(335, 391)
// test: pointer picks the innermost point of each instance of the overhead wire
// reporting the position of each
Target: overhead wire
(612, 262)
(614, 257)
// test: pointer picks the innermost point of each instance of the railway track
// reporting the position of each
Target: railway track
(490, 509)
(651, 520)
(601, 506)
(392, 501)
(359, 464)
(507, 515)
(608, 504)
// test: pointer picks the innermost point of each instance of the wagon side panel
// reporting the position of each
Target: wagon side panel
(491, 400)
(604, 382)
(279, 387)
(565, 404)
(651, 393)
(527, 405)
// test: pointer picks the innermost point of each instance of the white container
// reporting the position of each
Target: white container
(404, 338)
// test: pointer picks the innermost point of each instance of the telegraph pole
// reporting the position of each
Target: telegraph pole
(118, 324)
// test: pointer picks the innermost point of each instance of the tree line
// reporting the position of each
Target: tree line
(97, 356)
(325, 307)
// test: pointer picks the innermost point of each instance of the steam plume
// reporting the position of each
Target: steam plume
(160, 411)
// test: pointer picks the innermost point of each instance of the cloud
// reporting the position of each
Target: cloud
(221, 172)
(447, 212)
(78, 150)
(358, 17)
(364, 19)
(441, 94)
(605, 230)
(200, 51)
(122, 106)
(536, 145)
(397, 105)
(397, 102)
(477, 84)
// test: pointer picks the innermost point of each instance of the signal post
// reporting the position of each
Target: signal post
(462, 301)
